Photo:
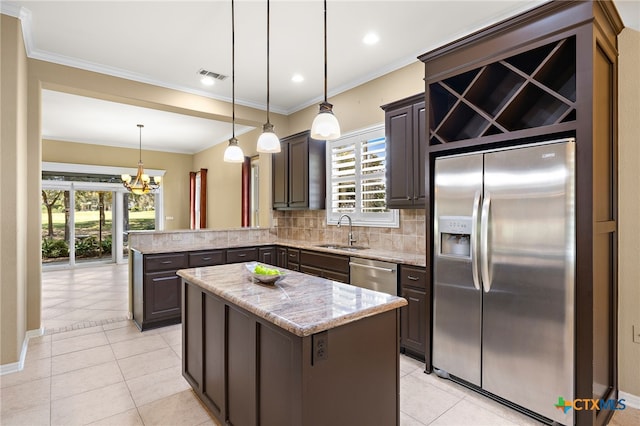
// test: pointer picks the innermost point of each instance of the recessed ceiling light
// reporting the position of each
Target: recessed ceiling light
(297, 78)
(370, 39)
(207, 81)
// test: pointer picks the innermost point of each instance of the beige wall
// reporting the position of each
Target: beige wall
(629, 211)
(175, 182)
(359, 107)
(13, 209)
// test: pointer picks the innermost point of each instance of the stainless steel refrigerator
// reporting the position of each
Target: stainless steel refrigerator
(504, 259)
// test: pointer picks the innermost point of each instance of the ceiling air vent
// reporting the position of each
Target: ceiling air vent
(209, 77)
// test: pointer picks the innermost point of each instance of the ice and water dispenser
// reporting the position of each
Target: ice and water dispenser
(455, 236)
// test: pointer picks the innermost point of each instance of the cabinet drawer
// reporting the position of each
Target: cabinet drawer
(206, 258)
(336, 276)
(242, 255)
(413, 276)
(293, 256)
(164, 262)
(332, 262)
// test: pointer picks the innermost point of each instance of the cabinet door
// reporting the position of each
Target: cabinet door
(280, 171)
(192, 361)
(162, 295)
(282, 257)
(413, 321)
(267, 255)
(419, 154)
(299, 172)
(399, 135)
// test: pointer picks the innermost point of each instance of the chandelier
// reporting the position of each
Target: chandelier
(142, 184)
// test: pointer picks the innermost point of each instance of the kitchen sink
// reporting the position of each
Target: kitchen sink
(341, 247)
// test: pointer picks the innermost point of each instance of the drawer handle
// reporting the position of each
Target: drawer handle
(206, 258)
(167, 262)
(412, 278)
(242, 254)
(292, 255)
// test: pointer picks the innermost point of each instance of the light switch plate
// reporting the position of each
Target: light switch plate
(636, 334)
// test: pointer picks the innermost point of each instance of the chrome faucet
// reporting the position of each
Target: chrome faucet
(351, 239)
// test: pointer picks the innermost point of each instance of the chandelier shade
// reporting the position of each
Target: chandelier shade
(325, 126)
(142, 184)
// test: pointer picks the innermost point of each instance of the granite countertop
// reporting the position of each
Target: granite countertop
(299, 303)
(367, 253)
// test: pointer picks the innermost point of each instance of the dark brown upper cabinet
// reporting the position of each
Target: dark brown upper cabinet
(405, 136)
(299, 175)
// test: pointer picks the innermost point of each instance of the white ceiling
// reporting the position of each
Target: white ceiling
(165, 43)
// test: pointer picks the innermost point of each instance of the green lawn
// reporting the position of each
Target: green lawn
(87, 222)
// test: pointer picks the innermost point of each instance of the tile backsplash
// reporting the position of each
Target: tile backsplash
(311, 225)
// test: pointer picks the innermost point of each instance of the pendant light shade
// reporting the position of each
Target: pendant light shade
(233, 153)
(325, 126)
(268, 141)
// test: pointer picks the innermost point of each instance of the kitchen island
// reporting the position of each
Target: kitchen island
(304, 351)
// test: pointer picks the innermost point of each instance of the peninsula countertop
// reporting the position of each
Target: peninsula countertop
(299, 303)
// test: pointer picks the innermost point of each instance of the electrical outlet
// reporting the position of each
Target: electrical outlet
(320, 343)
(636, 334)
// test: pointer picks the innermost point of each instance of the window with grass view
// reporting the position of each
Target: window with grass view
(356, 167)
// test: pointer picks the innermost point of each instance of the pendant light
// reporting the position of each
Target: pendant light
(233, 153)
(143, 184)
(268, 141)
(325, 126)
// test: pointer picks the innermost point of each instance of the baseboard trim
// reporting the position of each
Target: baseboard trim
(630, 400)
(14, 367)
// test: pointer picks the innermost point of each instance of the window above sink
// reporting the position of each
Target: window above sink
(356, 179)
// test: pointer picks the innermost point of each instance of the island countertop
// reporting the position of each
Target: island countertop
(299, 303)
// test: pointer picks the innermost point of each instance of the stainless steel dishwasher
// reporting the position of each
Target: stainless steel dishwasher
(374, 275)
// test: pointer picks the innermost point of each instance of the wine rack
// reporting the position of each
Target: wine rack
(532, 89)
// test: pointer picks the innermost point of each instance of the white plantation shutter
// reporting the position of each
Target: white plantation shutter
(356, 179)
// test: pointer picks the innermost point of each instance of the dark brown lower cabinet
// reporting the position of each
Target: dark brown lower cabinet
(248, 371)
(156, 288)
(413, 317)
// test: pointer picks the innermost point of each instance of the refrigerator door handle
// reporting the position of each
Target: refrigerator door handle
(484, 243)
(475, 260)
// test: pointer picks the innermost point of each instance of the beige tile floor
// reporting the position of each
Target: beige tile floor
(84, 296)
(112, 374)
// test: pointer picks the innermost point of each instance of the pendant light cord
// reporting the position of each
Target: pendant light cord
(268, 32)
(233, 71)
(325, 51)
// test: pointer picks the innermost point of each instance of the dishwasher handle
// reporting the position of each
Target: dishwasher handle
(377, 268)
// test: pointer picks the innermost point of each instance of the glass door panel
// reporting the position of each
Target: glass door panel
(93, 225)
(56, 231)
(139, 214)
